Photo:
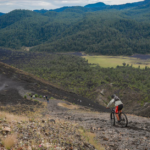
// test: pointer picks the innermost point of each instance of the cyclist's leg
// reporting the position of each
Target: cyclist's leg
(120, 107)
(116, 111)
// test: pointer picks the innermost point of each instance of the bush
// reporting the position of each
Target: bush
(30, 94)
(36, 95)
(25, 96)
(36, 101)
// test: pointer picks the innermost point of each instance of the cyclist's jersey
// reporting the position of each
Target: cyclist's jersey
(115, 100)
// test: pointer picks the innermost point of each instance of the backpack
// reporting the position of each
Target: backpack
(116, 98)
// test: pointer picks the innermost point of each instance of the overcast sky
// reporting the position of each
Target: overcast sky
(9, 5)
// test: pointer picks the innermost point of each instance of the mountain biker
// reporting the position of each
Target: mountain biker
(118, 104)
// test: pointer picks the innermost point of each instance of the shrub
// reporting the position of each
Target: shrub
(41, 96)
(36, 95)
(30, 94)
(25, 96)
(36, 101)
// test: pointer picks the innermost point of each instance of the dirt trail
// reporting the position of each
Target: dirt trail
(134, 137)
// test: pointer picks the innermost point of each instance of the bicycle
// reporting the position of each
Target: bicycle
(122, 116)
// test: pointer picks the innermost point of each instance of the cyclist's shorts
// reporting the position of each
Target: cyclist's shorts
(118, 108)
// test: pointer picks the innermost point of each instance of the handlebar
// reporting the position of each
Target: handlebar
(111, 108)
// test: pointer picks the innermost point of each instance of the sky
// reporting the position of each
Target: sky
(9, 5)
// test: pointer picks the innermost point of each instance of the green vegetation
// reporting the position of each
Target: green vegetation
(36, 95)
(40, 96)
(107, 32)
(109, 61)
(36, 101)
(77, 75)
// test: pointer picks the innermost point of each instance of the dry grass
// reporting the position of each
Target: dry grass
(10, 141)
(61, 125)
(70, 106)
(10, 117)
(90, 137)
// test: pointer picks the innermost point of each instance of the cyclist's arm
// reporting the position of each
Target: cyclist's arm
(112, 101)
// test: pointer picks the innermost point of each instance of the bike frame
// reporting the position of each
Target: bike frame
(113, 114)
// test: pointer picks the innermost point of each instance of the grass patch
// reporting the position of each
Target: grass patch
(36, 101)
(11, 117)
(114, 61)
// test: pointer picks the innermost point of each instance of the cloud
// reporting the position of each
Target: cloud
(9, 5)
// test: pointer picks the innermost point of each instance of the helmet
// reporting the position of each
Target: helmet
(113, 96)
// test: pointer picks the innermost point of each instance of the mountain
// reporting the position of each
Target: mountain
(97, 7)
(15, 16)
(61, 9)
(100, 4)
(42, 11)
(129, 5)
(1, 14)
(107, 32)
(76, 9)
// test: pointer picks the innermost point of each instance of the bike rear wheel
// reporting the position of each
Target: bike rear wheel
(123, 119)
(112, 119)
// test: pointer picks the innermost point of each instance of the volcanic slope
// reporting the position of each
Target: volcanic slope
(13, 80)
(14, 83)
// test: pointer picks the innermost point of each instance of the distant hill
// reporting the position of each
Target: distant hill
(1, 14)
(97, 7)
(76, 9)
(42, 11)
(107, 32)
(15, 16)
(100, 4)
(61, 9)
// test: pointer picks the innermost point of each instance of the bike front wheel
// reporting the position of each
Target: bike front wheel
(123, 119)
(112, 119)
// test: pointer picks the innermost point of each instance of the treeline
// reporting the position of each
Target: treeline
(77, 75)
(119, 37)
(110, 32)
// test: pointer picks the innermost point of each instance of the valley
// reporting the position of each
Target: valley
(69, 108)
(74, 74)
(114, 61)
(59, 68)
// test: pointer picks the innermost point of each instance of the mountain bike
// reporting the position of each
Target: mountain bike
(122, 116)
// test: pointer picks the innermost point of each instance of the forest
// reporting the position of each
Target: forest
(106, 32)
(75, 74)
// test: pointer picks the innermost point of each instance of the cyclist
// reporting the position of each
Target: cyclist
(118, 104)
